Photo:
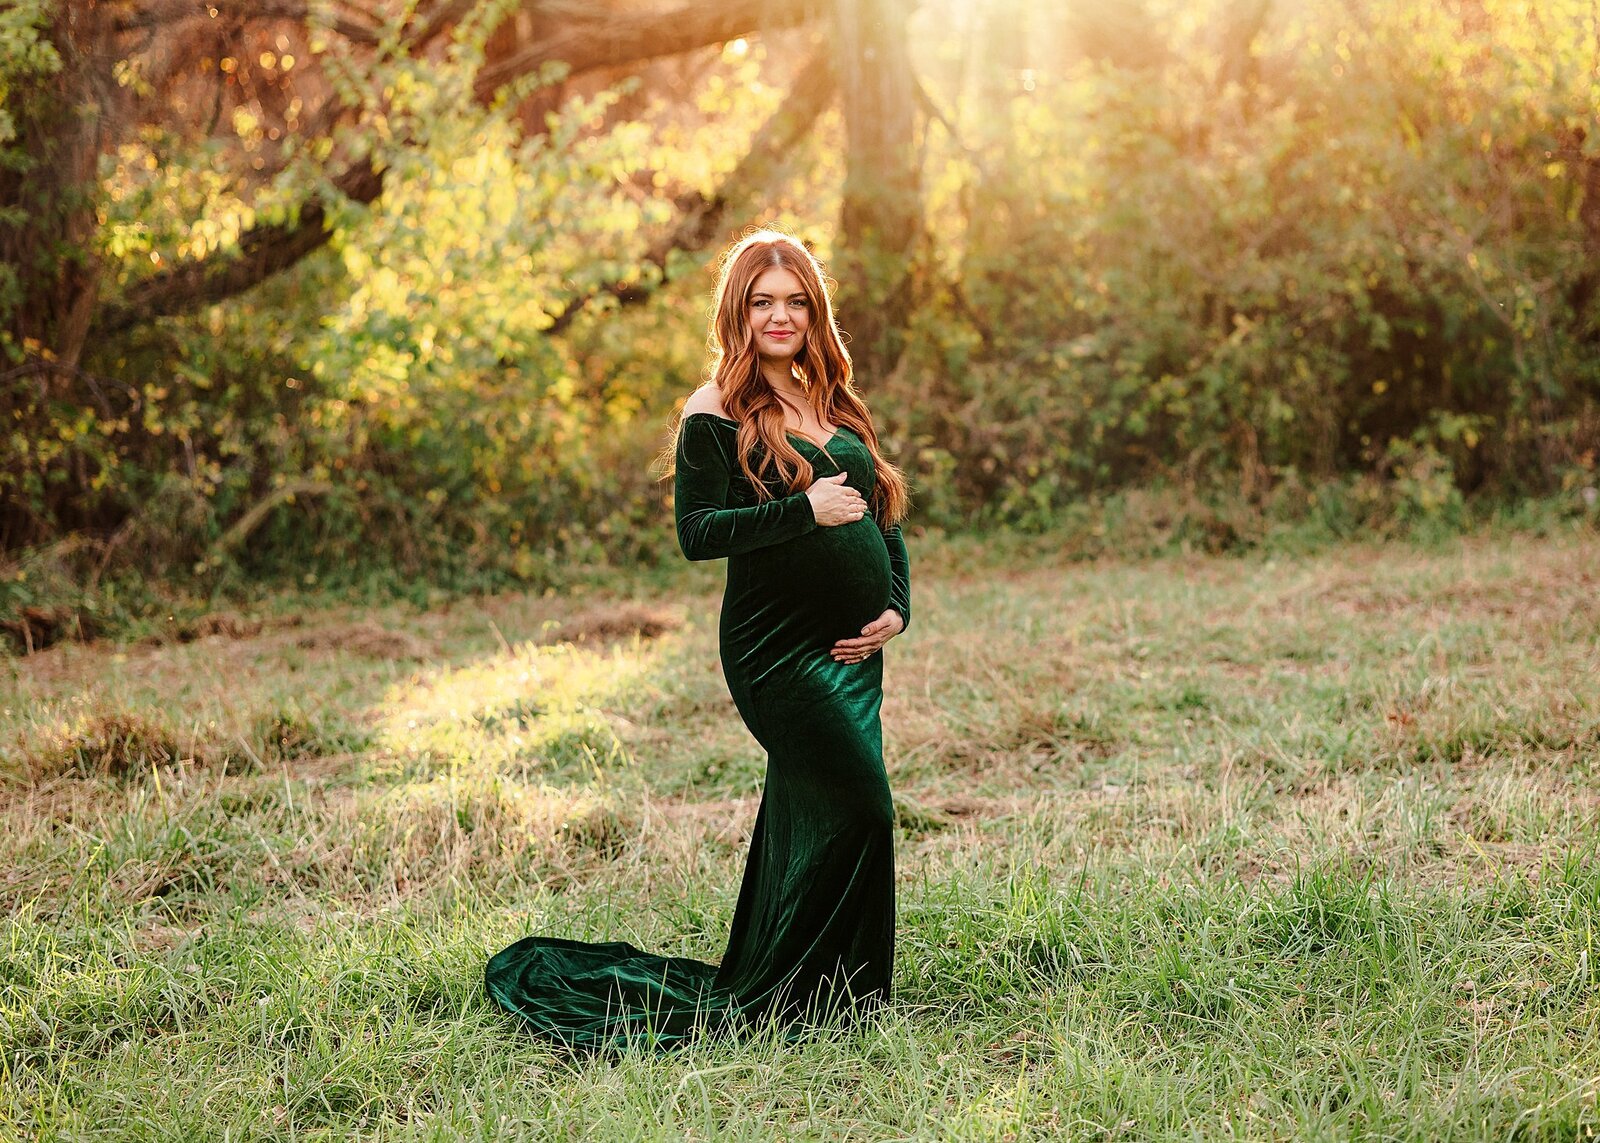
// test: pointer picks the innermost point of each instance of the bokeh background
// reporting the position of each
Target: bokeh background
(396, 293)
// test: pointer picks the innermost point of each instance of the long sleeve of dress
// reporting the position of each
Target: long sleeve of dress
(900, 574)
(707, 528)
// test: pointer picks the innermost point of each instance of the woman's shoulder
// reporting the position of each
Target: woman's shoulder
(706, 399)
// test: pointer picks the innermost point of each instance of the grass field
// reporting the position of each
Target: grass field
(1293, 847)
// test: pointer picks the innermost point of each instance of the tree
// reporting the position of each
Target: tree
(880, 219)
(241, 135)
(186, 68)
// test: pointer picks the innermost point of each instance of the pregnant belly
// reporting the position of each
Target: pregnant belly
(809, 591)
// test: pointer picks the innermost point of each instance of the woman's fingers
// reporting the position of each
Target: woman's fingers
(882, 626)
(872, 638)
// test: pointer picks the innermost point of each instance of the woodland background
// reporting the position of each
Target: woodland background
(1244, 747)
(390, 294)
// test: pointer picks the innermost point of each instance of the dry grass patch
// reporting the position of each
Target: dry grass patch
(617, 621)
(921, 815)
(215, 625)
(128, 745)
(32, 629)
(366, 639)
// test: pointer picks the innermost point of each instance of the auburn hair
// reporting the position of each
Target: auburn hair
(822, 364)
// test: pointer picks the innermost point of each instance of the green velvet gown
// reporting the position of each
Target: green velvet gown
(812, 936)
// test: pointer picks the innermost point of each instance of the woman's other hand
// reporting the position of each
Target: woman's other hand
(834, 502)
(872, 638)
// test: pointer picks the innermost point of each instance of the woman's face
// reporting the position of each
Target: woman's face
(778, 314)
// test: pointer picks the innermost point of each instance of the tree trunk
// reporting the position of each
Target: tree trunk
(62, 122)
(1238, 30)
(881, 215)
(1000, 53)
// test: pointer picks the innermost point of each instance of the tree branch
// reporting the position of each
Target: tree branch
(268, 249)
(263, 251)
(614, 41)
(251, 520)
(163, 14)
(431, 19)
(811, 92)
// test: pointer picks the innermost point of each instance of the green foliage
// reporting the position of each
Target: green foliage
(434, 378)
(25, 58)
(395, 401)
(1331, 275)
(400, 387)
(1358, 246)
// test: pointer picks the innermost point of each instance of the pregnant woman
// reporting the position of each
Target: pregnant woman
(776, 468)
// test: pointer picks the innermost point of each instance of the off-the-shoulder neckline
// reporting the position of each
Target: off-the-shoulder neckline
(790, 432)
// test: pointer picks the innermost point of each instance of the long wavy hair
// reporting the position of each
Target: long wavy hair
(822, 365)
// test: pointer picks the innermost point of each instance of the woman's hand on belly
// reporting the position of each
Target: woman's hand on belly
(872, 638)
